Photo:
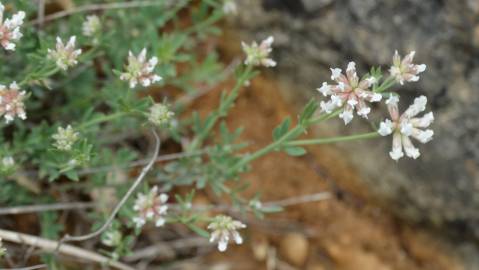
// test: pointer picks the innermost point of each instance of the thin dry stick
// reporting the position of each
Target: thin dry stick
(50, 246)
(110, 219)
(41, 12)
(97, 7)
(39, 266)
(142, 162)
(15, 210)
(159, 248)
(86, 205)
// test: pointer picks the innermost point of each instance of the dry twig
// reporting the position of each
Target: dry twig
(50, 246)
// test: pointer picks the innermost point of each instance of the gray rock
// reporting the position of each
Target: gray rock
(442, 186)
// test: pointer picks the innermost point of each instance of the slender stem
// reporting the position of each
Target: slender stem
(263, 151)
(388, 83)
(103, 118)
(363, 136)
(224, 106)
(295, 131)
(130, 191)
(324, 117)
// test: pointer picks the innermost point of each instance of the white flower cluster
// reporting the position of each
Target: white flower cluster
(65, 56)
(139, 70)
(258, 55)
(223, 229)
(350, 93)
(12, 102)
(406, 125)
(65, 138)
(150, 207)
(10, 29)
(91, 26)
(160, 114)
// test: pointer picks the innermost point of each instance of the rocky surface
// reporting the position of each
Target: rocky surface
(440, 188)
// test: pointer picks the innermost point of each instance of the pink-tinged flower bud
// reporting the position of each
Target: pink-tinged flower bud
(12, 102)
(65, 56)
(10, 29)
(140, 71)
(406, 125)
(223, 229)
(259, 55)
(404, 70)
(150, 207)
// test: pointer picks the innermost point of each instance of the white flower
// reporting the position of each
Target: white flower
(151, 207)
(140, 71)
(230, 7)
(160, 114)
(3, 250)
(223, 229)
(65, 138)
(407, 125)
(112, 238)
(405, 70)
(10, 29)
(12, 102)
(65, 56)
(258, 55)
(91, 26)
(349, 93)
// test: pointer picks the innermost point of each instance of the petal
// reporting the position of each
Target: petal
(423, 136)
(409, 148)
(418, 106)
(396, 152)
(385, 128)
(325, 89)
(347, 114)
(424, 121)
(335, 73)
(222, 245)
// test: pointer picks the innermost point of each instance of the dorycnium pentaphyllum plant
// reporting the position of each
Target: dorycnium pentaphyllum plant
(84, 100)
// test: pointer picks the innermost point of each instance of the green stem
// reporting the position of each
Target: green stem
(388, 83)
(104, 118)
(325, 117)
(222, 110)
(362, 136)
(274, 145)
(263, 151)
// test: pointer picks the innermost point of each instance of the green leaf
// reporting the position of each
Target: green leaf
(295, 151)
(72, 175)
(308, 111)
(282, 129)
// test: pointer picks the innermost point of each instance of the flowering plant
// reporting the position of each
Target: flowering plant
(83, 106)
